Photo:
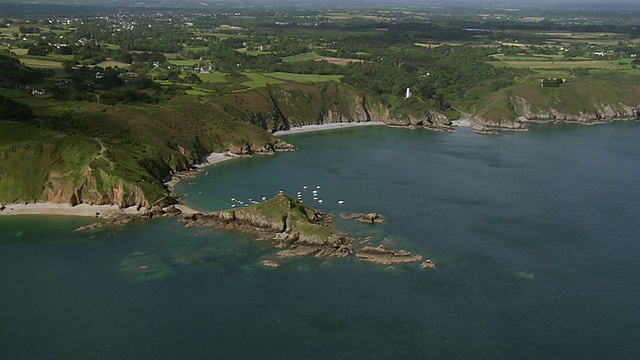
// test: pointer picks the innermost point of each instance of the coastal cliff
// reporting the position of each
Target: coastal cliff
(581, 101)
(123, 154)
(281, 107)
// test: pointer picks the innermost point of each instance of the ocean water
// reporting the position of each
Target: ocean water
(536, 237)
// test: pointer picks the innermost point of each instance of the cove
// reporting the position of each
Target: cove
(535, 236)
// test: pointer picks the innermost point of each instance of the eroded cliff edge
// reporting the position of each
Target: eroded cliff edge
(584, 101)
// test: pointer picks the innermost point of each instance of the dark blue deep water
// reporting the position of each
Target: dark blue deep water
(536, 236)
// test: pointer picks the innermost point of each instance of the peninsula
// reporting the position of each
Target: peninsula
(299, 230)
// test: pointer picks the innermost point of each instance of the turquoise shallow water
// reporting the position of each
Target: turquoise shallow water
(535, 235)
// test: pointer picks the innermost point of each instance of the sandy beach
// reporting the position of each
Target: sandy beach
(213, 158)
(462, 122)
(64, 209)
(321, 127)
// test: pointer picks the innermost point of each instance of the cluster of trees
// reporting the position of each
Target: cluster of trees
(13, 74)
(29, 30)
(440, 75)
(13, 110)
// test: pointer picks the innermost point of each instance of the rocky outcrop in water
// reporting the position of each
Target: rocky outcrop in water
(299, 231)
(491, 125)
(386, 256)
(121, 218)
(370, 218)
(290, 225)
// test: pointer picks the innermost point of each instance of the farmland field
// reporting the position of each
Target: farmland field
(190, 62)
(259, 80)
(302, 57)
(303, 77)
(215, 77)
(42, 64)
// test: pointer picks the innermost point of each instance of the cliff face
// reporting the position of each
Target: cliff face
(248, 148)
(582, 101)
(122, 154)
(432, 120)
(86, 190)
(597, 112)
(284, 106)
(43, 166)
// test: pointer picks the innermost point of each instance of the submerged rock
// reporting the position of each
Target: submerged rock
(145, 267)
(270, 263)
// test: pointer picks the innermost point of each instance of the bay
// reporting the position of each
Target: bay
(534, 234)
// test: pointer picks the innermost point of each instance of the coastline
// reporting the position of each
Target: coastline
(322, 127)
(211, 159)
(100, 211)
(84, 210)
(215, 158)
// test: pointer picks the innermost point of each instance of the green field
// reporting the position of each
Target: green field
(196, 48)
(196, 92)
(19, 52)
(259, 80)
(184, 62)
(9, 31)
(303, 78)
(111, 63)
(302, 57)
(171, 56)
(215, 77)
(42, 64)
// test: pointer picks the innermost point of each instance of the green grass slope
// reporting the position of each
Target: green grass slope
(597, 97)
(81, 152)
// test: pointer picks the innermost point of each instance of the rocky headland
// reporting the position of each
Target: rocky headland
(298, 230)
(575, 102)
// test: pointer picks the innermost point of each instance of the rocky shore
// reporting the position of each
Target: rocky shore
(506, 111)
(299, 231)
(231, 152)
